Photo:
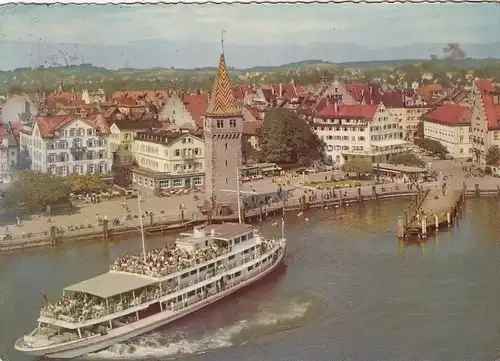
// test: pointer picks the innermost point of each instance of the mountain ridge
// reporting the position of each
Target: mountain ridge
(180, 54)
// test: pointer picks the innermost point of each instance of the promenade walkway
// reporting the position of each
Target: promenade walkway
(86, 214)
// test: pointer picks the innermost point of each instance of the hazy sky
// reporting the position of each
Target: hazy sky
(189, 35)
(372, 25)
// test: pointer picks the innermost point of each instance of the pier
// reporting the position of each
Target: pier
(431, 210)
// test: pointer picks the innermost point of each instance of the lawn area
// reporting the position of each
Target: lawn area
(341, 184)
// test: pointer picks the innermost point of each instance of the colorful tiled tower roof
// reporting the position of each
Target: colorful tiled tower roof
(222, 102)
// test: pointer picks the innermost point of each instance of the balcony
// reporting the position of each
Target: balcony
(77, 148)
(188, 155)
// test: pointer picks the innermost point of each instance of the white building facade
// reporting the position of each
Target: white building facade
(167, 160)
(63, 145)
(485, 119)
(358, 130)
(450, 125)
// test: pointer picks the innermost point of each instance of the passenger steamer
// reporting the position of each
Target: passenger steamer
(139, 295)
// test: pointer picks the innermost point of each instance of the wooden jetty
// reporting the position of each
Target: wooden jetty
(431, 210)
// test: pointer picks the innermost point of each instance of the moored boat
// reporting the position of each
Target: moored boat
(139, 294)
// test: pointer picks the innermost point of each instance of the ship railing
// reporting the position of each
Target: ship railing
(171, 269)
(118, 307)
(178, 305)
(95, 314)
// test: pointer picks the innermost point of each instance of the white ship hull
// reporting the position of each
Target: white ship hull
(100, 342)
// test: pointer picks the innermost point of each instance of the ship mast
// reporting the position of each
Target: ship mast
(139, 202)
(283, 218)
(238, 193)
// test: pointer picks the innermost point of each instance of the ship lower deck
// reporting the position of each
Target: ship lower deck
(55, 342)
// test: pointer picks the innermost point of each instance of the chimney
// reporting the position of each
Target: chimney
(281, 90)
(371, 90)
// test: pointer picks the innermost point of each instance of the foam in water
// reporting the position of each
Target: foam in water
(158, 344)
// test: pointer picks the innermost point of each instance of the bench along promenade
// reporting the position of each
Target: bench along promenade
(301, 199)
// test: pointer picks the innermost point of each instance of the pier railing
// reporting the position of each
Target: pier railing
(302, 199)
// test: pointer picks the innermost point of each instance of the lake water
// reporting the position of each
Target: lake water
(349, 291)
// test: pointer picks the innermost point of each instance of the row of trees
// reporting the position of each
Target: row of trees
(363, 165)
(35, 190)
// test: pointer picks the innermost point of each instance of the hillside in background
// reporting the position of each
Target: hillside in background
(89, 76)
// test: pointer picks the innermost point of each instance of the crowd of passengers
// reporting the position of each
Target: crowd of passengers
(81, 306)
(169, 259)
(159, 262)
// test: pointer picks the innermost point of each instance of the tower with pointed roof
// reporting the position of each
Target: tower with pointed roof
(223, 130)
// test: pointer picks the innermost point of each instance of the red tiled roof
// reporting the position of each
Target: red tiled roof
(125, 101)
(450, 114)
(255, 113)
(196, 105)
(251, 128)
(48, 125)
(99, 121)
(484, 85)
(301, 90)
(350, 111)
(491, 109)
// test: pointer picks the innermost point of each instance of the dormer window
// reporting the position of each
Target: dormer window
(232, 123)
(220, 123)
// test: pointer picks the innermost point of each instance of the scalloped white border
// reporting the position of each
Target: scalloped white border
(238, 1)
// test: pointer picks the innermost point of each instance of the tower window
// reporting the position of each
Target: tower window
(232, 123)
(226, 145)
(220, 123)
(226, 180)
(226, 162)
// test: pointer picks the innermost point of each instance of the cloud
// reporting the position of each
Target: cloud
(364, 24)
(189, 35)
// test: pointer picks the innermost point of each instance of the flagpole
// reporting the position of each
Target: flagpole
(45, 297)
(282, 227)
(283, 217)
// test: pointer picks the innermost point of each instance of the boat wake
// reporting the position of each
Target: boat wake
(275, 316)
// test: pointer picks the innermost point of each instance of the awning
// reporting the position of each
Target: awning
(112, 283)
(270, 169)
(388, 142)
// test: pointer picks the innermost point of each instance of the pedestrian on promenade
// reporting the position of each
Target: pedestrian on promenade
(49, 220)
(18, 222)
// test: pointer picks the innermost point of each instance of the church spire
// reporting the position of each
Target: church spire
(221, 102)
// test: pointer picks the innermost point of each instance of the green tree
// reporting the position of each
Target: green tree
(285, 138)
(420, 130)
(79, 183)
(493, 155)
(358, 165)
(432, 146)
(36, 190)
(408, 159)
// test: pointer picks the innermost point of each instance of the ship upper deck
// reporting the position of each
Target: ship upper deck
(112, 283)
